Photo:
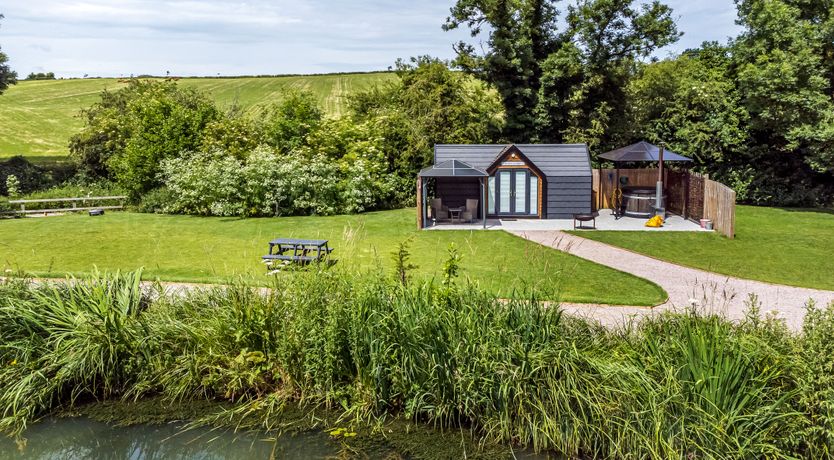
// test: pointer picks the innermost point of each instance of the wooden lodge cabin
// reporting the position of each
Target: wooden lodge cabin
(530, 181)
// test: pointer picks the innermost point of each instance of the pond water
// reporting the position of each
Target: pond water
(82, 438)
(86, 439)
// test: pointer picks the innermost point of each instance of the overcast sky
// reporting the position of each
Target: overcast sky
(209, 37)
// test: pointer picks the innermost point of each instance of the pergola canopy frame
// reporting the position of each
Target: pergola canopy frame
(645, 152)
(452, 169)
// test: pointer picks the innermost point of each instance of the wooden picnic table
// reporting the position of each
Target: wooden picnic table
(296, 250)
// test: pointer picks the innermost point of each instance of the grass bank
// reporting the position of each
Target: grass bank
(217, 250)
(37, 118)
(775, 245)
(675, 386)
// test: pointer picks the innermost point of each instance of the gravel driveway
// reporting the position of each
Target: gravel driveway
(710, 291)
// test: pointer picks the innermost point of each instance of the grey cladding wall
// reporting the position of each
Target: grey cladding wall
(567, 169)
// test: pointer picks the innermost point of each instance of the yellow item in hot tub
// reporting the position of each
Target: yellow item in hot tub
(655, 221)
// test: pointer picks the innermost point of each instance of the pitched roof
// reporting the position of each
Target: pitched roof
(452, 168)
(642, 151)
(551, 159)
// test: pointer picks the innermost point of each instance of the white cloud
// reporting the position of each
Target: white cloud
(206, 37)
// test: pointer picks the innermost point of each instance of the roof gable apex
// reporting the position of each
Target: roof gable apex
(512, 151)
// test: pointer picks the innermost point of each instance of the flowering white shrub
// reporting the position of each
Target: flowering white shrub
(204, 184)
(268, 183)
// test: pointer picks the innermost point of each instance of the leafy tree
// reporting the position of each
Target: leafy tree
(8, 77)
(105, 132)
(236, 133)
(130, 131)
(783, 63)
(522, 34)
(288, 123)
(429, 105)
(41, 76)
(691, 103)
(567, 84)
(586, 78)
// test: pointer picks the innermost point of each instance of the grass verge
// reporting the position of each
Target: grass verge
(219, 250)
(776, 245)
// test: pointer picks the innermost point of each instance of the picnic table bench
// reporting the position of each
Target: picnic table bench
(297, 251)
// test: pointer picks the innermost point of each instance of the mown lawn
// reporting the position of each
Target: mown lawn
(200, 249)
(37, 118)
(783, 246)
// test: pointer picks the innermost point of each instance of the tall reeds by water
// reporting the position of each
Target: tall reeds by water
(685, 385)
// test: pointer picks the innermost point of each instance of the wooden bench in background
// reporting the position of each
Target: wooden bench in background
(86, 204)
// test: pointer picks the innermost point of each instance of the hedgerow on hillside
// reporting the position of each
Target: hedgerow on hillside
(173, 150)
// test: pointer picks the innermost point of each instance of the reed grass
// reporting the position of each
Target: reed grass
(676, 386)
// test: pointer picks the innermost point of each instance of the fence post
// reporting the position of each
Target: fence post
(686, 193)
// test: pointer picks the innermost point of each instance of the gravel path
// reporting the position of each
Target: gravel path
(713, 292)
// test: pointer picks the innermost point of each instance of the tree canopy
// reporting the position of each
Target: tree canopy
(756, 112)
(7, 75)
(560, 84)
(129, 132)
(430, 104)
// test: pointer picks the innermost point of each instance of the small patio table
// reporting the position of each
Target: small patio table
(455, 213)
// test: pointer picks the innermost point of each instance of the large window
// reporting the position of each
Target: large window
(534, 195)
(491, 195)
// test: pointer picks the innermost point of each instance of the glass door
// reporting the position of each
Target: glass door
(520, 187)
(504, 191)
(515, 192)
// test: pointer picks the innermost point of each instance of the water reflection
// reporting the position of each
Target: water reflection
(80, 438)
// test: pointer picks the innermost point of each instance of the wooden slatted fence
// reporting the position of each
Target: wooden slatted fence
(720, 207)
(606, 182)
(691, 195)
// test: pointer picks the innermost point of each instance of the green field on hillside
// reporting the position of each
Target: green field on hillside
(38, 117)
(207, 249)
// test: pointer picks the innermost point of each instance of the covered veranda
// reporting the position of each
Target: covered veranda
(452, 193)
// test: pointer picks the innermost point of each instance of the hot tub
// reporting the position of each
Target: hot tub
(639, 201)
